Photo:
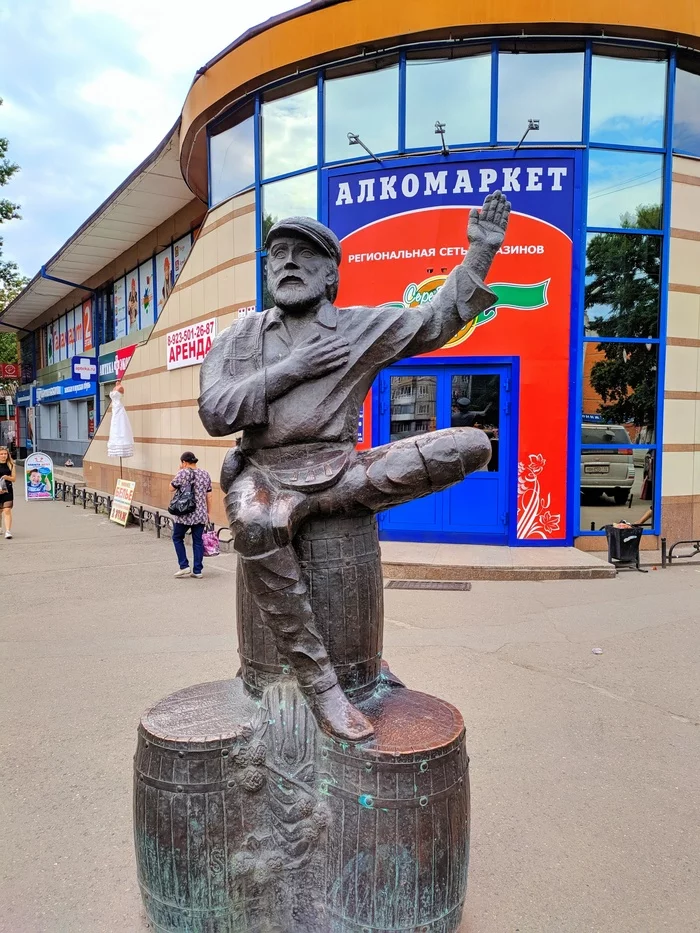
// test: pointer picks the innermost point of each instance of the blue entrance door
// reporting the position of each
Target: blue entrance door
(418, 399)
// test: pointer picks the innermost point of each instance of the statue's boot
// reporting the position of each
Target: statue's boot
(337, 716)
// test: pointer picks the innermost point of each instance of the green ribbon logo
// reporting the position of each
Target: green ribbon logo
(521, 297)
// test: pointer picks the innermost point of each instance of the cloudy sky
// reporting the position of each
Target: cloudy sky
(90, 87)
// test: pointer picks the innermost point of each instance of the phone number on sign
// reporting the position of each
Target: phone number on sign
(205, 329)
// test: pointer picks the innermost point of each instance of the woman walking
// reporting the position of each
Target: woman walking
(7, 496)
(190, 474)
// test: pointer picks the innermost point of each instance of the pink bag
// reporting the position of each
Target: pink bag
(210, 540)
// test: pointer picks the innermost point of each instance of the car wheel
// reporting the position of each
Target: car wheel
(621, 496)
(590, 496)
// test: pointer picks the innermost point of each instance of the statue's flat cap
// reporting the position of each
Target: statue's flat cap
(312, 230)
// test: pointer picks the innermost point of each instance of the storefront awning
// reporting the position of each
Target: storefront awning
(147, 198)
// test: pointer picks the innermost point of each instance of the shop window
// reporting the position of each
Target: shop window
(623, 272)
(625, 189)
(628, 99)
(289, 132)
(686, 117)
(619, 391)
(453, 91)
(414, 419)
(50, 422)
(366, 104)
(475, 402)
(295, 196)
(82, 431)
(546, 86)
(616, 483)
(232, 157)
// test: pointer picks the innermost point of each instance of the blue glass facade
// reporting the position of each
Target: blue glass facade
(626, 107)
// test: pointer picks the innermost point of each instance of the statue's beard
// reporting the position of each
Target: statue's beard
(297, 297)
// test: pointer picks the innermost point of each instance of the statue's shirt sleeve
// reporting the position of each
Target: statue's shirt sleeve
(233, 393)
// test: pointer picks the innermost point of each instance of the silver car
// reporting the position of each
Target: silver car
(608, 470)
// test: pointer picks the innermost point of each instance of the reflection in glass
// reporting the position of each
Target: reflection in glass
(289, 133)
(296, 196)
(413, 405)
(366, 104)
(624, 189)
(628, 101)
(546, 86)
(617, 484)
(619, 388)
(475, 403)
(231, 161)
(455, 91)
(623, 271)
(686, 116)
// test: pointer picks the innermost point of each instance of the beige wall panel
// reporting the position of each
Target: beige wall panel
(244, 234)
(681, 369)
(685, 262)
(685, 206)
(680, 421)
(225, 250)
(219, 212)
(244, 282)
(209, 247)
(686, 166)
(678, 474)
(194, 265)
(210, 301)
(683, 315)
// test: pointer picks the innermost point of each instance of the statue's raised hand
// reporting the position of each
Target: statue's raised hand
(487, 227)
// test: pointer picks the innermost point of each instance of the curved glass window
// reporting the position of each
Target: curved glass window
(686, 118)
(623, 272)
(289, 127)
(232, 159)
(628, 101)
(291, 197)
(619, 387)
(453, 91)
(366, 104)
(546, 86)
(625, 189)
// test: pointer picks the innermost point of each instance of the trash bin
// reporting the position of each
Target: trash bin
(623, 544)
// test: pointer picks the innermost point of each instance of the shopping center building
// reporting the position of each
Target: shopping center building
(389, 122)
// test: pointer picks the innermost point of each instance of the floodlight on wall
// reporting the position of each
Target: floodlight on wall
(440, 131)
(354, 140)
(532, 126)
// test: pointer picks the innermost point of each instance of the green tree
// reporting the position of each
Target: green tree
(622, 300)
(11, 281)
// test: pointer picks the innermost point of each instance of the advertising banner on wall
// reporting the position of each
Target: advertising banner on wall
(404, 229)
(78, 330)
(146, 295)
(9, 371)
(164, 277)
(181, 250)
(189, 345)
(87, 326)
(132, 300)
(38, 477)
(70, 331)
(120, 308)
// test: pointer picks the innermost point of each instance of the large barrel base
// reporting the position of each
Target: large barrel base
(242, 807)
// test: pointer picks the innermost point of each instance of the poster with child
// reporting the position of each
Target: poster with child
(38, 477)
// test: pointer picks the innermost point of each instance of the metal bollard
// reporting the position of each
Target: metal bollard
(664, 559)
(141, 517)
(156, 519)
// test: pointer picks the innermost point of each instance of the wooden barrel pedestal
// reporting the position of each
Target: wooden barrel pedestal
(398, 842)
(341, 563)
(242, 808)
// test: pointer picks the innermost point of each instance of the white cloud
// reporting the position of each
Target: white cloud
(90, 88)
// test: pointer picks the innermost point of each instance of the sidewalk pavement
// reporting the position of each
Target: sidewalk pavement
(584, 767)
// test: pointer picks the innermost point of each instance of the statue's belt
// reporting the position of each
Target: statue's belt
(304, 468)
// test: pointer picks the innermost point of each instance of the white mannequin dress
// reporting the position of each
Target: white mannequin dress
(121, 437)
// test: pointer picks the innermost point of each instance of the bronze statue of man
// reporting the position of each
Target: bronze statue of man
(293, 380)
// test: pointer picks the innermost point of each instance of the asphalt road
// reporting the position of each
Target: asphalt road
(586, 811)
